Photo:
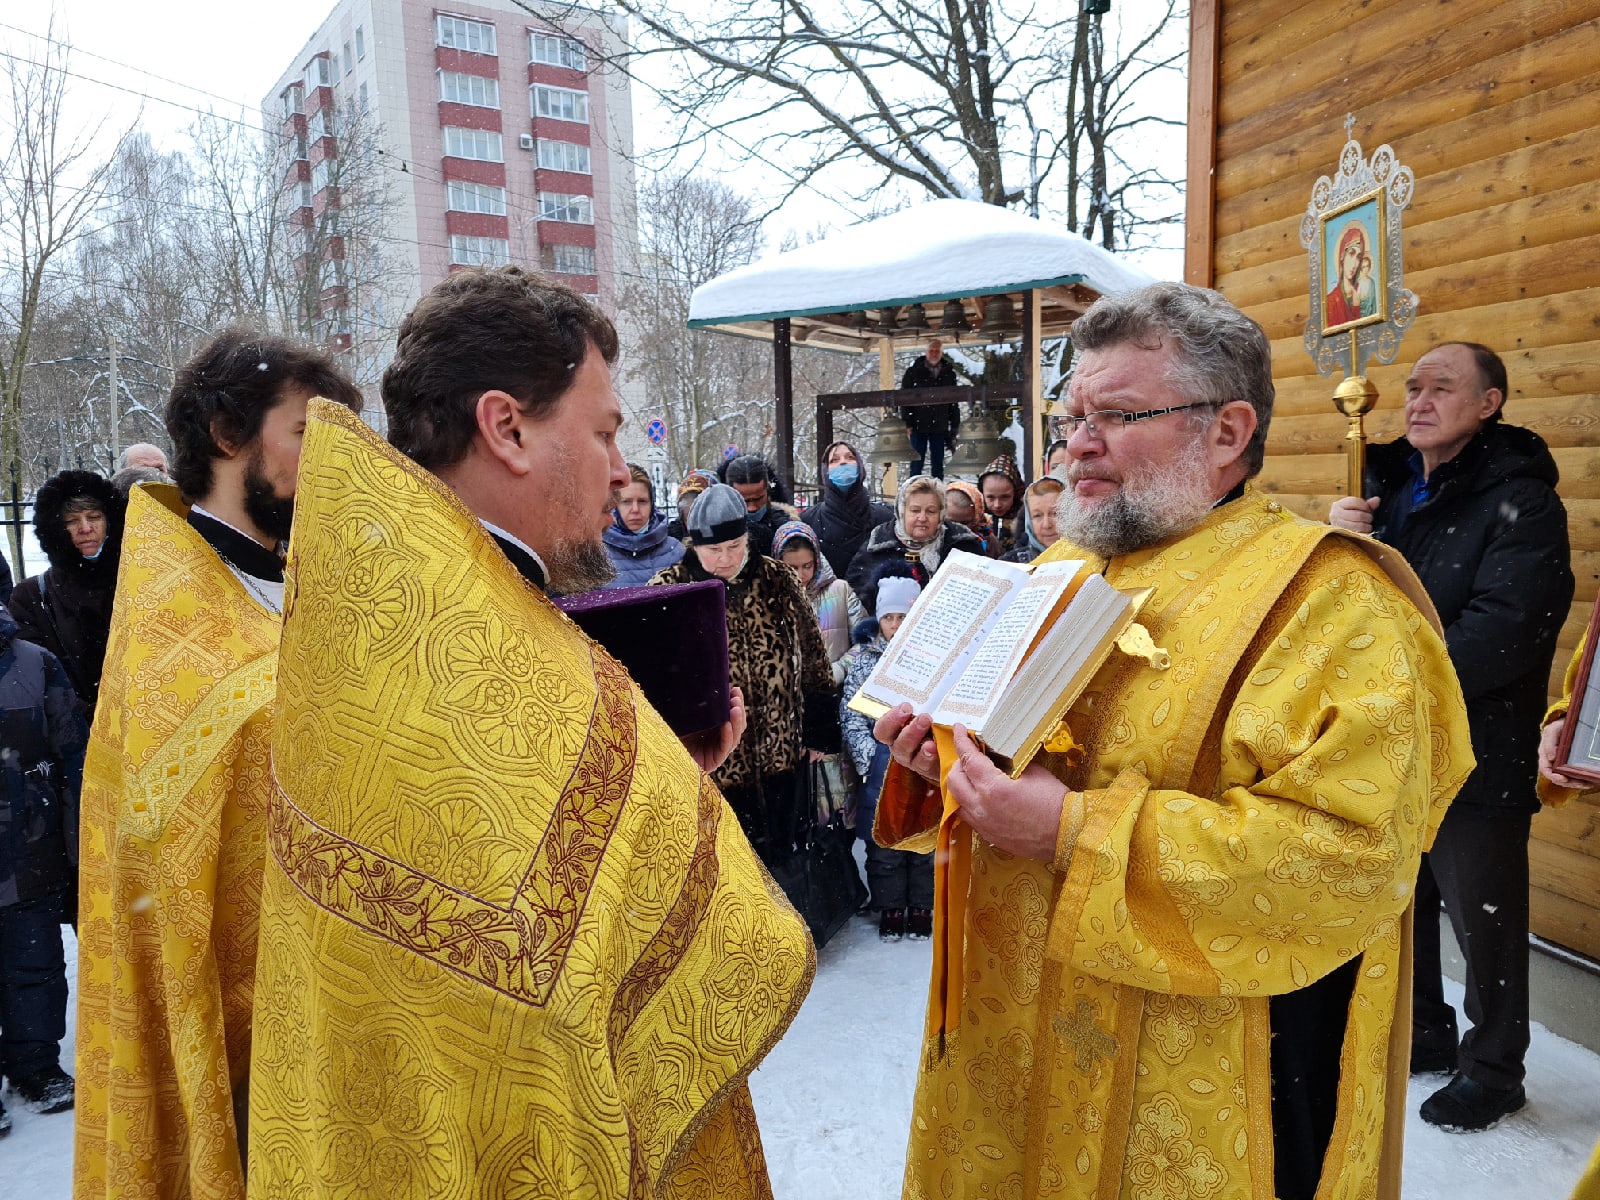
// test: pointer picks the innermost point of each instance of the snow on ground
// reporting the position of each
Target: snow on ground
(834, 1099)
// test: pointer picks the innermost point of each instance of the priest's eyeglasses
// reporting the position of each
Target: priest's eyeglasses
(1107, 419)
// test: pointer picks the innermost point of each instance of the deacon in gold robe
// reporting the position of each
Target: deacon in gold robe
(1557, 788)
(513, 941)
(1174, 962)
(175, 789)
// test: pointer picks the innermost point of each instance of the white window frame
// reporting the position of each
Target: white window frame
(294, 100)
(458, 33)
(361, 44)
(566, 207)
(349, 59)
(584, 252)
(319, 71)
(577, 103)
(486, 198)
(564, 156)
(306, 194)
(468, 250)
(322, 123)
(554, 50)
(321, 175)
(492, 144)
(457, 87)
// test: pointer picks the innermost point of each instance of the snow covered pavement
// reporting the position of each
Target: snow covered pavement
(834, 1099)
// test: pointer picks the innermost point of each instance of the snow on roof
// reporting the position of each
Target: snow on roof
(935, 251)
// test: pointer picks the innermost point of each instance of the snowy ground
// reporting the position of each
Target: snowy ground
(834, 1099)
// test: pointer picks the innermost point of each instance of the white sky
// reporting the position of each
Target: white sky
(226, 56)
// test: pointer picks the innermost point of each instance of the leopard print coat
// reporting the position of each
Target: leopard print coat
(775, 655)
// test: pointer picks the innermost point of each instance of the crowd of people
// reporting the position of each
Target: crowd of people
(738, 524)
(360, 834)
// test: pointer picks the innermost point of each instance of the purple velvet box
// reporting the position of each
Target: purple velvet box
(674, 641)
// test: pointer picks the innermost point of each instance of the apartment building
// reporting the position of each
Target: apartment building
(492, 136)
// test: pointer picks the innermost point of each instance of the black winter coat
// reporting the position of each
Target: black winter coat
(937, 420)
(883, 546)
(1490, 546)
(43, 737)
(67, 609)
(845, 517)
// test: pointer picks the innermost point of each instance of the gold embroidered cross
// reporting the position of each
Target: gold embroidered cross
(1089, 1042)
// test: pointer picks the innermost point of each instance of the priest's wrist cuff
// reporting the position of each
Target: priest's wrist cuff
(1073, 812)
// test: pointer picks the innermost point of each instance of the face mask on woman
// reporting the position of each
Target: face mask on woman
(844, 475)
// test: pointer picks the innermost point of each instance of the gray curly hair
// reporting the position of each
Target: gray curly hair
(1220, 354)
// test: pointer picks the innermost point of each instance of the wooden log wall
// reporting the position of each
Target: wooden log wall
(1495, 105)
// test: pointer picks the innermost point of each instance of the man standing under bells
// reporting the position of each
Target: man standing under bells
(175, 789)
(513, 941)
(1471, 502)
(931, 427)
(1176, 961)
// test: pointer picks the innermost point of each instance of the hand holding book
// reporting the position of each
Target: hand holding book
(1021, 816)
(1001, 648)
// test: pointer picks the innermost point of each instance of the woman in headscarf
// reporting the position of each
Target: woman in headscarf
(1038, 519)
(964, 505)
(847, 512)
(77, 517)
(837, 609)
(775, 654)
(919, 534)
(637, 540)
(1001, 485)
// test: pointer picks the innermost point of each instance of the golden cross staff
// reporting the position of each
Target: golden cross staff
(1355, 398)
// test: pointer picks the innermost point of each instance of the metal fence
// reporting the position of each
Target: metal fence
(17, 513)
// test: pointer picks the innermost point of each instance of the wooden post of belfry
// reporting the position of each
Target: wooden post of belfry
(1355, 398)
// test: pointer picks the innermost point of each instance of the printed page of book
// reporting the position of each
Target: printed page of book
(944, 627)
(1051, 679)
(983, 681)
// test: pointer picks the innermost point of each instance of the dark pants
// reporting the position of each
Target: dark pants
(1479, 868)
(1308, 1028)
(33, 985)
(929, 447)
(897, 878)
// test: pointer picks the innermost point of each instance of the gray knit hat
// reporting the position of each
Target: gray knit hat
(718, 515)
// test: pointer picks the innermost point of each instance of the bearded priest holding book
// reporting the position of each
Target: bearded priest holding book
(1172, 957)
(513, 940)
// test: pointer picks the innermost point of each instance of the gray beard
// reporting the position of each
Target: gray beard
(579, 567)
(1147, 510)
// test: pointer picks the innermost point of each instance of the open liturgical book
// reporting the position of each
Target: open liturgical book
(1004, 649)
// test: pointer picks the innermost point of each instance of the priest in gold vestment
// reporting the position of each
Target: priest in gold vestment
(175, 787)
(513, 941)
(1175, 963)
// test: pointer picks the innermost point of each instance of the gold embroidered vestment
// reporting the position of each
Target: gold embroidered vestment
(1243, 823)
(173, 838)
(513, 942)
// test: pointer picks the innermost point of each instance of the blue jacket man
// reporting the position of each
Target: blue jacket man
(42, 742)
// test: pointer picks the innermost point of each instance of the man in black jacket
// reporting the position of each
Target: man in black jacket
(1471, 503)
(931, 427)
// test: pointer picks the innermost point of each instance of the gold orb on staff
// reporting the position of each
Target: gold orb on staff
(1359, 304)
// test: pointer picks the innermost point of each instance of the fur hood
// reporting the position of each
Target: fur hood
(51, 529)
